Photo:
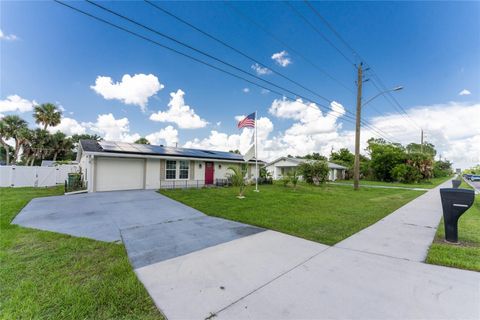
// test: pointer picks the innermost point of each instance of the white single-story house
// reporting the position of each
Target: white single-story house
(281, 166)
(108, 166)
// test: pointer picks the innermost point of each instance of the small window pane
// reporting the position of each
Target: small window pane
(171, 171)
(171, 164)
(184, 165)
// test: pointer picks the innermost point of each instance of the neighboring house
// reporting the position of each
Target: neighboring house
(108, 166)
(280, 167)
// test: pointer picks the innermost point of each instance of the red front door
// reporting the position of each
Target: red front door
(209, 172)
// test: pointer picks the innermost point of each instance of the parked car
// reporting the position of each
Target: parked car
(475, 178)
(468, 176)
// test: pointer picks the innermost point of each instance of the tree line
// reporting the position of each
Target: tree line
(394, 162)
(384, 161)
(31, 146)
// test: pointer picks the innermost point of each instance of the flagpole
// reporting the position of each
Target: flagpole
(256, 155)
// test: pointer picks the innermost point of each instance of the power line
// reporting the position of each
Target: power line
(347, 118)
(396, 104)
(319, 32)
(242, 15)
(206, 54)
(191, 47)
(286, 45)
(333, 30)
(234, 49)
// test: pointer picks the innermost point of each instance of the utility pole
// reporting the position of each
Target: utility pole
(356, 166)
(421, 142)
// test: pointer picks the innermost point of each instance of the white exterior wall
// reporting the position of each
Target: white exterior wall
(152, 174)
(199, 172)
(221, 170)
(275, 169)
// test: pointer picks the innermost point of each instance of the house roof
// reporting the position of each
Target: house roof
(113, 147)
(331, 165)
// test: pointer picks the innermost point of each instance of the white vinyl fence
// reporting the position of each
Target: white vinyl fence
(34, 176)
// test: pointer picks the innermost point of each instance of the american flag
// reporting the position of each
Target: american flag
(248, 122)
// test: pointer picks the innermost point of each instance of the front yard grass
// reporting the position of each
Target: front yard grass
(46, 275)
(430, 184)
(326, 214)
(465, 255)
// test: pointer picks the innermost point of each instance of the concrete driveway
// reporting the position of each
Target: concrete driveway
(198, 267)
(153, 227)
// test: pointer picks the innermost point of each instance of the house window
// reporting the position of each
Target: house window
(171, 169)
(183, 167)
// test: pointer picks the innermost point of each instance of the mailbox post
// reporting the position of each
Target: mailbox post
(454, 203)
(456, 183)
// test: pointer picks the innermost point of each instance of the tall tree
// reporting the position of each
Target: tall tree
(47, 114)
(142, 141)
(12, 126)
(39, 143)
(60, 143)
(4, 136)
(77, 137)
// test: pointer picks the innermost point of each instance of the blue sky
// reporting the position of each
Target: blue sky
(430, 48)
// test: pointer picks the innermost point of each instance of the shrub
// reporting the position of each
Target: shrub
(314, 172)
(293, 177)
(442, 168)
(406, 173)
(285, 180)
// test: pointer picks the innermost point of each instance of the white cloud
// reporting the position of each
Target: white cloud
(282, 58)
(113, 129)
(131, 90)
(224, 142)
(260, 70)
(310, 119)
(219, 123)
(69, 126)
(455, 137)
(464, 92)
(8, 37)
(246, 90)
(179, 113)
(264, 91)
(167, 136)
(17, 104)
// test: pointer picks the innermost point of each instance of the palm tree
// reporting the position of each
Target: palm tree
(60, 143)
(142, 141)
(47, 114)
(12, 126)
(77, 137)
(238, 179)
(21, 140)
(4, 135)
(38, 143)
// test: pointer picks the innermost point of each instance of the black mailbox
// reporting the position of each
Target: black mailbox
(456, 183)
(454, 203)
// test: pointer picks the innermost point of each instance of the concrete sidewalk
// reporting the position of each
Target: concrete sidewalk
(406, 233)
(376, 274)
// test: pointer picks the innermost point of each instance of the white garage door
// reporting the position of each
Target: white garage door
(119, 174)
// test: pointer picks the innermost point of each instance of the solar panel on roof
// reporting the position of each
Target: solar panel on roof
(167, 151)
(110, 146)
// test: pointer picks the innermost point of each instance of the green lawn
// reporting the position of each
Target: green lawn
(45, 275)
(466, 255)
(326, 214)
(432, 183)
